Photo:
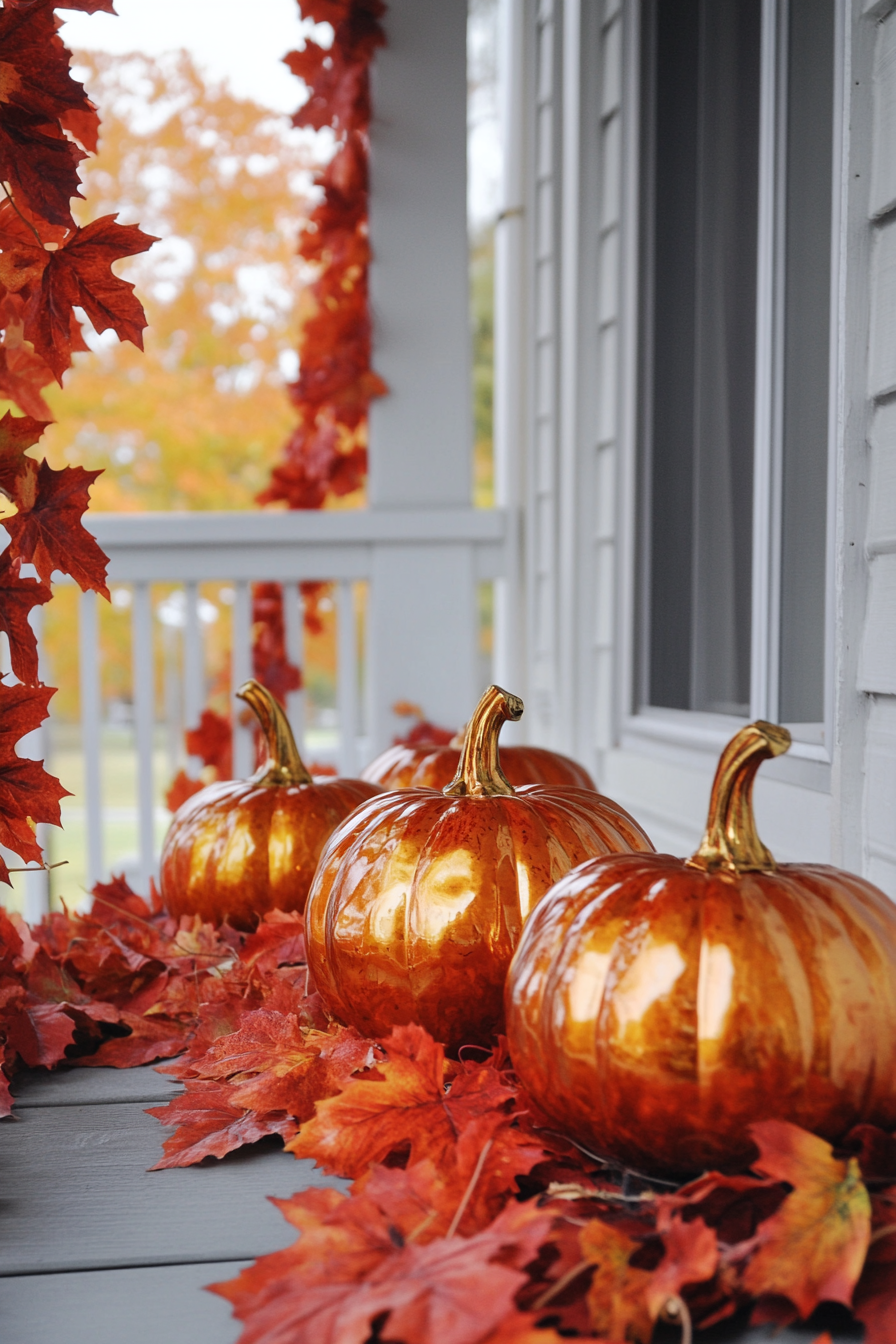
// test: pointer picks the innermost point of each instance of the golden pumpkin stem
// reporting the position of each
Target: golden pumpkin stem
(284, 764)
(479, 773)
(731, 840)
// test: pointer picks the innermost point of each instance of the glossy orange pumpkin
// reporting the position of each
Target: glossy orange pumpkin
(656, 1007)
(420, 897)
(242, 847)
(433, 765)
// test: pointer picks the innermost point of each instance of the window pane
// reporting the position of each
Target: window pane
(700, 259)
(806, 354)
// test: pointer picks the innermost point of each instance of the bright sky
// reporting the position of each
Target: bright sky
(236, 41)
(242, 42)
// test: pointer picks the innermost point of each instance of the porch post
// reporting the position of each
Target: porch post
(423, 626)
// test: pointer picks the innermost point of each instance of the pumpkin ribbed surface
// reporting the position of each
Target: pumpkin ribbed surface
(238, 849)
(657, 1008)
(420, 898)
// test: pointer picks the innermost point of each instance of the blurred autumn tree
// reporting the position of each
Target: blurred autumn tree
(196, 421)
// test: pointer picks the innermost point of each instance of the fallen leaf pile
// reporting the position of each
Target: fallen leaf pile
(467, 1220)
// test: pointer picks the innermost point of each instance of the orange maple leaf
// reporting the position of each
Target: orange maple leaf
(408, 1107)
(813, 1248)
(624, 1300)
(274, 1065)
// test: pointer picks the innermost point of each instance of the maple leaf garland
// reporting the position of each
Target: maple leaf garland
(49, 267)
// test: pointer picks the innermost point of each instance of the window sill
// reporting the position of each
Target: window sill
(695, 740)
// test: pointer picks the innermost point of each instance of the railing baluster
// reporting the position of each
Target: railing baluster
(91, 731)
(144, 687)
(347, 678)
(294, 625)
(37, 882)
(194, 669)
(241, 665)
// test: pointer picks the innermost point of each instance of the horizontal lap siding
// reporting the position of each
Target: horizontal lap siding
(877, 666)
(605, 438)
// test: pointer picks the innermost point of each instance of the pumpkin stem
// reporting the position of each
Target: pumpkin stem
(731, 840)
(479, 774)
(284, 764)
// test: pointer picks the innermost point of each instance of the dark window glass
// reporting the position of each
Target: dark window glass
(702, 125)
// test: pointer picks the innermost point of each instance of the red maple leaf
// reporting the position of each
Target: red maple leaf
(212, 742)
(22, 375)
(80, 273)
(210, 1125)
(180, 789)
(18, 597)
(353, 1265)
(47, 530)
(17, 434)
(279, 940)
(39, 162)
(38, 1032)
(27, 793)
(408, 1108)
(36, 73)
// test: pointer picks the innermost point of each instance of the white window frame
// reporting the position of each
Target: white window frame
(682, 734)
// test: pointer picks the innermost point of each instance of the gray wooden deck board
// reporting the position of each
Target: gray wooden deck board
(119, 1306)
(78, 1087)
(75, 1193)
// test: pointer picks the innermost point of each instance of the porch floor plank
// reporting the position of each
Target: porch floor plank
(120, 1306)
(78, 1087)
(76, 1195)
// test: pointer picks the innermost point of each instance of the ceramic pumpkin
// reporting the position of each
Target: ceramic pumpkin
(432, 765)
(242, 847)
(656, 1007)
(420, 897)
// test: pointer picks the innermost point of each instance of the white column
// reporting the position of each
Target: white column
(422, 643)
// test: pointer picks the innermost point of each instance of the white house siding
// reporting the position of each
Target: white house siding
(877, 666)
(542, 206)
(581, 431)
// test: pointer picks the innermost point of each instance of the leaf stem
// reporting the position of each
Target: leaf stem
(886, 1231)
(564, 1281)
(471, 1186)
(27, 222)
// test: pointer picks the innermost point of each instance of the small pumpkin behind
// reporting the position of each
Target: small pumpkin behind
(656, 1007)
(421, 895)
(242, 847)
(433, 765)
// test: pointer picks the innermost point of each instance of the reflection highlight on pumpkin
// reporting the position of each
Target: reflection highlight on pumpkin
(715, 982)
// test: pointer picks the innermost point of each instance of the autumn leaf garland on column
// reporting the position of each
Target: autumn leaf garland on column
(49, 268)
(325, 457)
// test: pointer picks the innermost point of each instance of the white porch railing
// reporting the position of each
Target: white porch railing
(422, 568)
